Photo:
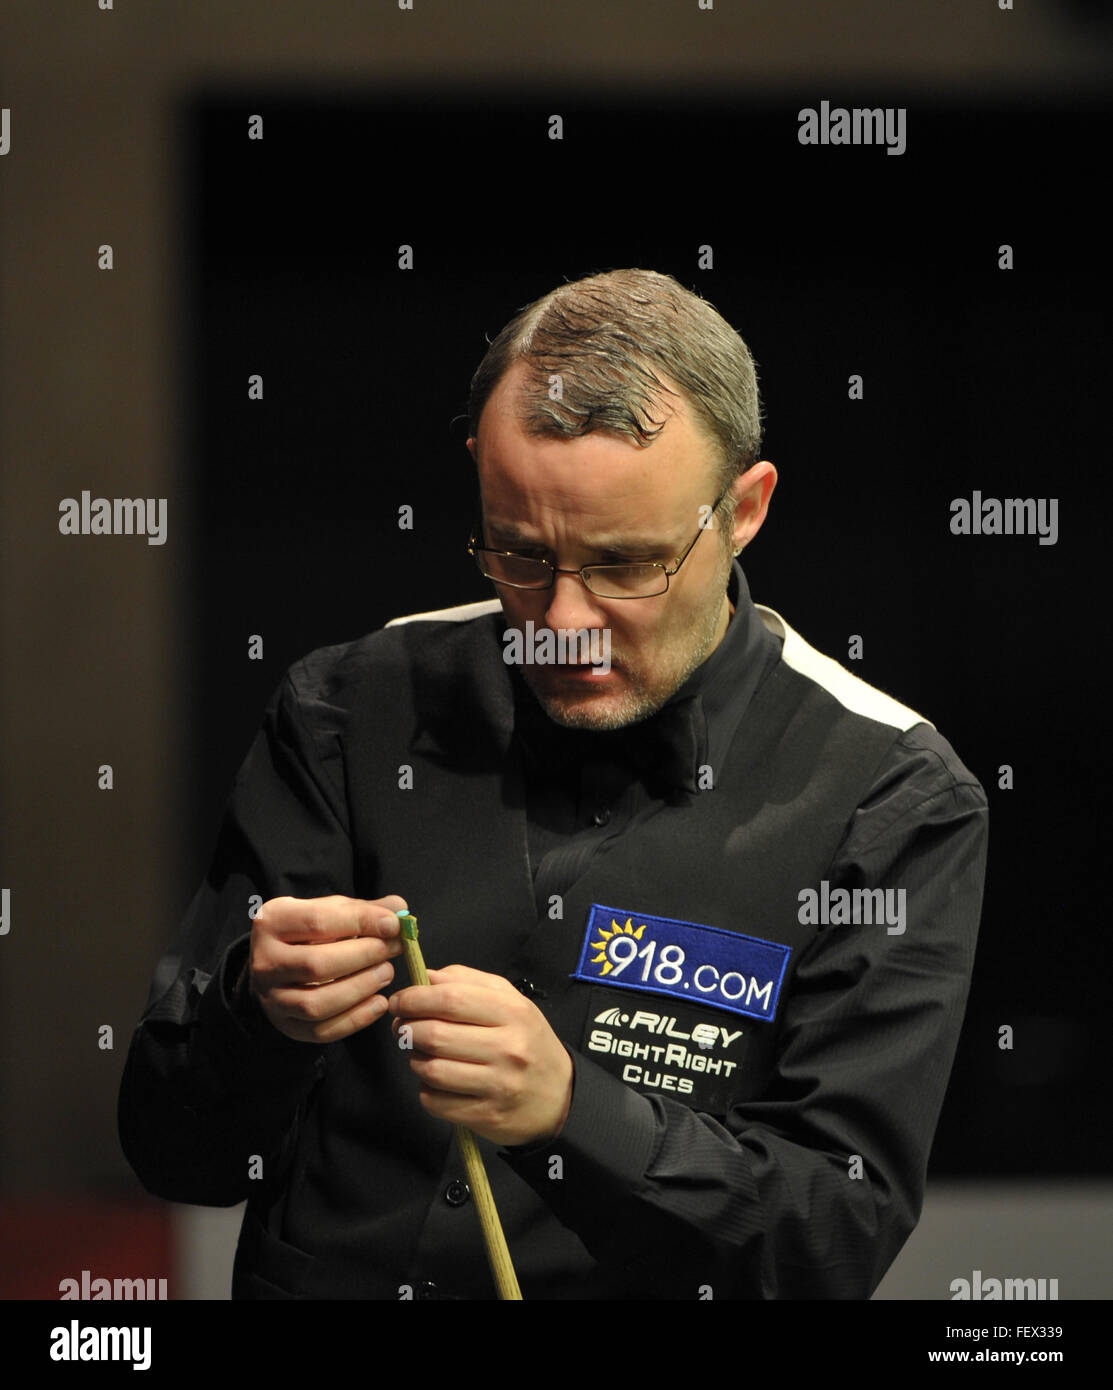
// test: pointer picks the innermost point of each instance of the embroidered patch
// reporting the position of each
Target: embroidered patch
(698, 964)
(678, 1049)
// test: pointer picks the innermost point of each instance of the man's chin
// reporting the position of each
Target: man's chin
(593, 708)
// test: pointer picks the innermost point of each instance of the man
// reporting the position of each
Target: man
(704, 903)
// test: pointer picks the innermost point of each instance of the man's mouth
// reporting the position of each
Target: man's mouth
(587, 671)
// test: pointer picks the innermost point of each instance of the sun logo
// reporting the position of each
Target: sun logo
(601, 946)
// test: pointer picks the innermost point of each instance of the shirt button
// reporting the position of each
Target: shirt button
(426, 1290)
(529, 989)
(601, 816)
(457, 1193)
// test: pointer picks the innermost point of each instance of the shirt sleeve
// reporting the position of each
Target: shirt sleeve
(211, 1091)
(810, 1190)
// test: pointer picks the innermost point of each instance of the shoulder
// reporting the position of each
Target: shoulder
(917, 756)
(462, 613)
(325, 683)
(849, 690)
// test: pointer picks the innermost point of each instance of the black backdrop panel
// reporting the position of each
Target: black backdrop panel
(829, 261)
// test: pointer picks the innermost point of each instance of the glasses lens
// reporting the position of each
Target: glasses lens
(515, 570)
(626, 581)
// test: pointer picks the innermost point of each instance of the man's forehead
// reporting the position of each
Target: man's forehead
(611, 486)
(633, 519)
(514, 532)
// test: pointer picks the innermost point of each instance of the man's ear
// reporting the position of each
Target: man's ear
(752, 491)
(471, 448)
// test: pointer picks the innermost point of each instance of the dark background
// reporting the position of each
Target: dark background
(829, 261)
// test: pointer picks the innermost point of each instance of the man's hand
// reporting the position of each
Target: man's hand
(317, 964)
(486, 1055)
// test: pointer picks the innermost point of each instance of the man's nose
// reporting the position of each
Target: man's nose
(572, 605)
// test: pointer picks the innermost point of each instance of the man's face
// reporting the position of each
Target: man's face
(602, 499)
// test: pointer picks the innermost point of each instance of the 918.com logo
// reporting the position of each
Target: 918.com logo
(665, 967)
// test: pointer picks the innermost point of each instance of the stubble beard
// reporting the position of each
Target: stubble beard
(637, 704)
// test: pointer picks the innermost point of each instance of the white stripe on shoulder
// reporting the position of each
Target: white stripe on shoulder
(850, 690)
(464, 613)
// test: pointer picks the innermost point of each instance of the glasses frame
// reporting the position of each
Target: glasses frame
(477, 550)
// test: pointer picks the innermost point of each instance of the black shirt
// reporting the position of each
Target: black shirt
(802, 1177)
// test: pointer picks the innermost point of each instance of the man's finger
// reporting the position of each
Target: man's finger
(340, 1026)
(326, 1001)
(465, 975)
(310, 921)
(452, 1076)
(326, 961)
(460, 1042)
(458, 1003)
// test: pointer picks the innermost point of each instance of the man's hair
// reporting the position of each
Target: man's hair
(604, 336)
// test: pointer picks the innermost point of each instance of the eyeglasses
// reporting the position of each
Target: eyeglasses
(638, 579)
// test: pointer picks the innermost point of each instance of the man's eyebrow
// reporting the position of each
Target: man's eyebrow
(513, 538)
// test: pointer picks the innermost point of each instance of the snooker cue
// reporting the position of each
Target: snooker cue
(498, 1253)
